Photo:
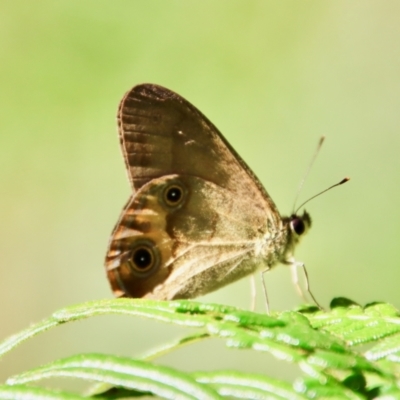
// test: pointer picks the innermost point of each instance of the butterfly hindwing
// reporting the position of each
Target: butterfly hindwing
(196, 243)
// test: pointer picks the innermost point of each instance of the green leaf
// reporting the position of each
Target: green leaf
(326, 389)
(14, 340)
(325, 346)
(358, 325)
(123, 372)
(248, 386)
(22, 392)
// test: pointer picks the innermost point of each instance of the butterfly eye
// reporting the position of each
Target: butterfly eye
(143, 258)
(173, 195)
(298, 226)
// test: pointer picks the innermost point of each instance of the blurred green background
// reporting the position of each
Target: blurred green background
(272, 76)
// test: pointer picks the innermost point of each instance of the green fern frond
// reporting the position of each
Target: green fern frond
(326, 346)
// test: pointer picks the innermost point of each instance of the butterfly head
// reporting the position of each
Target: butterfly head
(297, 226)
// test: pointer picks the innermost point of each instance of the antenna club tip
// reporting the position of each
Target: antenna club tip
(344, 180)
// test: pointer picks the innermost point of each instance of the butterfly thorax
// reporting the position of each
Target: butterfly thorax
(279, 242)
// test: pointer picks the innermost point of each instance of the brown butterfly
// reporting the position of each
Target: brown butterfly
(198, 218)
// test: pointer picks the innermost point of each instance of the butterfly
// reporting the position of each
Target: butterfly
(198, 217)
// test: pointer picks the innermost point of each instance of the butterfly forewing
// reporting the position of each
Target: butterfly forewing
(162, 134)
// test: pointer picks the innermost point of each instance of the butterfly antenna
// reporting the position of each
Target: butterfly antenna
(318, 194)
(321, 141)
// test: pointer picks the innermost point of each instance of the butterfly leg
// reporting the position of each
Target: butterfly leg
(265, 289)
(253, 292)
(295, 279)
